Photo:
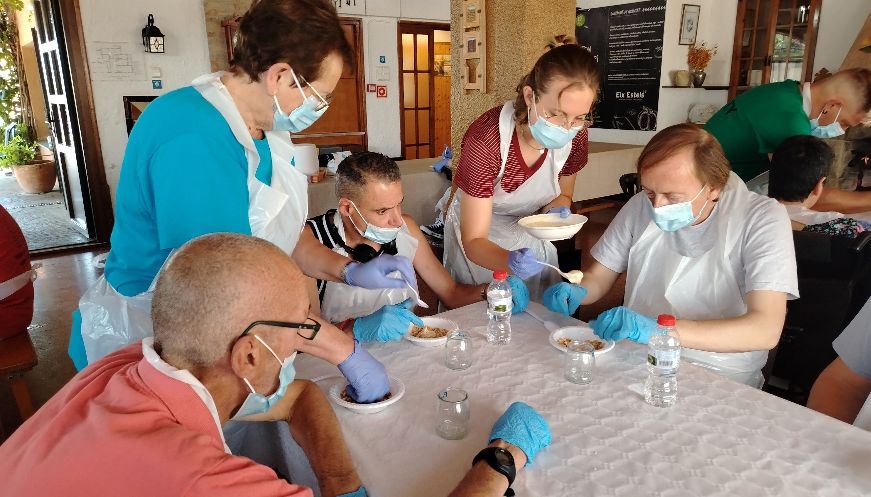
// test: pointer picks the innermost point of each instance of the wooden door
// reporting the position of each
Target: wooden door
(417, 89)
(51, 53)
(794, 37)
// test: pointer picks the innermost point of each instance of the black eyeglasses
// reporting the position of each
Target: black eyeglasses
(314, 326)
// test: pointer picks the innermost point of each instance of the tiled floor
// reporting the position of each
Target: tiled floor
(42, 217)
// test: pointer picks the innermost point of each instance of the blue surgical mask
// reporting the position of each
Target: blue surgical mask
(374, 233)
(673, 217)
(828, 131)
(257, 403)
(312, 108)
(548, 134)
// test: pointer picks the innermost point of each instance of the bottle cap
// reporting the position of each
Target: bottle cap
(666, 320)
(500, 274)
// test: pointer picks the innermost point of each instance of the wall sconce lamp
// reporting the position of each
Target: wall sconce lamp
(152, 38)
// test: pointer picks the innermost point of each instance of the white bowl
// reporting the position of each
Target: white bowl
(552, 227)
(397, 389)
(579, 333)
(433, 323)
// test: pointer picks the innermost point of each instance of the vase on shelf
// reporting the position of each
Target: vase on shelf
(698, 78)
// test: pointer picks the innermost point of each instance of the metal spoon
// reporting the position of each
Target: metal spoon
(574, 276)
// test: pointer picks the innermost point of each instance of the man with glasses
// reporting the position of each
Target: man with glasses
(230, 312)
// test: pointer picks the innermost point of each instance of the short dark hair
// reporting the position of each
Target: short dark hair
(301, 33)
(709, 161)
(358, 169)
(797, 166)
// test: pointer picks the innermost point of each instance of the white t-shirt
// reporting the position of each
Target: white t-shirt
(761, 257)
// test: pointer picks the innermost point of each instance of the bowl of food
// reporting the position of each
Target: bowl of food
(433, 333)
(552, 227)
(561, 338)
(340, 397)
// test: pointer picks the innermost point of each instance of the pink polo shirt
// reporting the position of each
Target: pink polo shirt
(124, 427)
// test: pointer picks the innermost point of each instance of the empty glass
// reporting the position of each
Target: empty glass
(580, 362)
(452, 411)
(458, 350)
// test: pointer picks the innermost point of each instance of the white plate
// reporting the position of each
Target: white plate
(397, 389)
(580, 333)
(552, 227)
(433, 323)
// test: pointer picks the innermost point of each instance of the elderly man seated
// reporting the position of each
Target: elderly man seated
(229, 313)
(369, 222)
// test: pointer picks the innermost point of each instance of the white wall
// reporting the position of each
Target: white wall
(716, 27)
(186, 57)
(840, 21)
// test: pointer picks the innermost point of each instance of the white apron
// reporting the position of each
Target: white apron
(343, 302)
(12, 285)
(536, 192)
(661, 281)
(276, 213)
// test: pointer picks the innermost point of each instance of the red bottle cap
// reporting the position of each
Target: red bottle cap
(500, 274)
(666, 320)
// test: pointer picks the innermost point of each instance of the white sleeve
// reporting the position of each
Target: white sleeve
(612, 250)
(768, 254)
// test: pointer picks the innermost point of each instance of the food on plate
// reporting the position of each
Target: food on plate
(597, 344)
(427, 332)
(347, 398)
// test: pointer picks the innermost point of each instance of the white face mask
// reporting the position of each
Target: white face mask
(374, 233)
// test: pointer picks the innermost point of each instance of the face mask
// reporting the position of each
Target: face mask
(673, 217)
(828, 131)
(374, 233)
(257, 403)
(303, 116)
(546, 133)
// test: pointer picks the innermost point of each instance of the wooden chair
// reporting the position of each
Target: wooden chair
(17, 357)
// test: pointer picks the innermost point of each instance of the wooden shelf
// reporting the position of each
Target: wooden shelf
(703, 88)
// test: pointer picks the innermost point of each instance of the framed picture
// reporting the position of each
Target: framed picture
(689, 24)
(470, 44)
(133, 108)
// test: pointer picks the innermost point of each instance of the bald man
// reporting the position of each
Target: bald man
(230, 312)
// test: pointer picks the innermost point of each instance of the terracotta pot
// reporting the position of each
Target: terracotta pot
(36, 176)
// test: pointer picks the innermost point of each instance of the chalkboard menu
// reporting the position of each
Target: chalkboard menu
(626, 40)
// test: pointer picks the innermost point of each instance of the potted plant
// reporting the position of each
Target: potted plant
(33, 175)
(698, 58)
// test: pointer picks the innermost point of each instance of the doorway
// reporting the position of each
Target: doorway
(425, 88)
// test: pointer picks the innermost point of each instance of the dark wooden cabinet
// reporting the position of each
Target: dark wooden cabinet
(774, 41)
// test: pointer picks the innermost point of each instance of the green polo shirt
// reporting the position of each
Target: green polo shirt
(756, 123)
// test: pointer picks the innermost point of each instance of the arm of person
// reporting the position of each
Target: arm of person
(598, 281)
(331, 344)
(475, 217)
(758, 329)
(839, 392)
(316, 260)
(433, 272)
(484, 481)
(564, 199)
(843, 201)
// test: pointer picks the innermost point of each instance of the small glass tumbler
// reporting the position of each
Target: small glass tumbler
(458, 350)
(580, 362)
(452, 412)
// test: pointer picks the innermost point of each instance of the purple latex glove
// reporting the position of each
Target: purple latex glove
(366, 376)
(522, 263)
(562, 211)
(373, 274)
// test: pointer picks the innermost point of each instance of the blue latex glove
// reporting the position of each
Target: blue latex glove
(562, 211)
(524, 427)
(386, 324)
(373, 274)
(564, 298)
(519, 294)
(447, 154)
(622, 322)
(360, 492)
(522, 263)
(366, 376)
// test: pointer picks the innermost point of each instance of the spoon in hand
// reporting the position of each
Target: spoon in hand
(574, 276)
(420, 302)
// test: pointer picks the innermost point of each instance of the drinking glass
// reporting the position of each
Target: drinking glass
(458, 350)
(580, 362)
(452, 412)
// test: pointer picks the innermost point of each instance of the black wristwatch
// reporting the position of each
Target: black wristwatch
(501, 461)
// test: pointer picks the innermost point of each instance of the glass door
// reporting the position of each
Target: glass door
(417, 89)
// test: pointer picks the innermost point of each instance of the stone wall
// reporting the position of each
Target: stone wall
(216, 12)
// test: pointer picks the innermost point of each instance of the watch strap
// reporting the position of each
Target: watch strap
(488, 454)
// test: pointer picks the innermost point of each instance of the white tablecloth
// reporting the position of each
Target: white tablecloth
(722, 438)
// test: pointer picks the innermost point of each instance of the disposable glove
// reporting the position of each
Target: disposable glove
(524, 427)
(373, 274)
(360, 492)
(386, 324)
(564, 298)
(366, 376)
(522, 263)
(562, 211)
(519, 294)
(622, 322)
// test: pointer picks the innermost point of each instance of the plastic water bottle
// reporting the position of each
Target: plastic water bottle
(663, 360)
(499, 305)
